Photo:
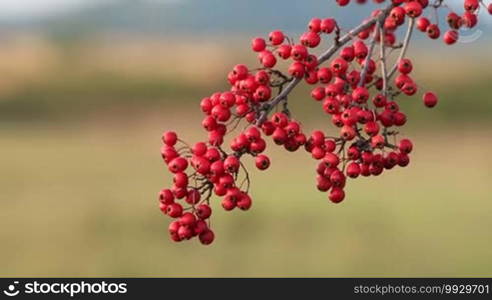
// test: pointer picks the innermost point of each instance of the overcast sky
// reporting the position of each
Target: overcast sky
(33, 8)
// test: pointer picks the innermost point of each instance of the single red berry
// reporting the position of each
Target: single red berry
(353, 170)
(187, 219)
(318, 93)
(284, 51)
(422, 24)
(231, 164)
(328, 25)
(174, 227)
(193, 196)
(244, 202)
(322, 183)
(433, 31)
(430, 99)
(451, 37)
(206, 237)
(180, 180)
(240, 72)
(405, 66)
(169, 138)
(360, 49)
(299, 52)
(324, 75)
(371, 128)
(403, 159)
(413, 9)
(469, 19)
(471, 5)
(315, 25)
(310, 39)
(258, 44)
(267, 59)
(203, 211)
(339, 66)
(343, 2)
(174, 210)
(276, 37)
(166, 196)
(200, 226)
(337, 195)
(296, 69)
(348, 53)
(262, 162)
(185, 233)
(178, 164)
(378, 141)
(405, 146)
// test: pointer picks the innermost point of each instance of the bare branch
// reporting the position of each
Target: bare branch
(363, 74)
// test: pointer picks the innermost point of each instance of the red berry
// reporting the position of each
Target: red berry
(405, 66)
(206, 237)
(337, 195)
(262, 162)
(315, 25)
(267, 59)
(299, 52)
(405, 146)
(413, 9)
(353, 170)
(451, 36)
(187, 219)
(174, 210)
(284, 51)
(328, 25)
(166, 196)
(430, 99)
(471, 5)
(276, 37)
(178, 164)
(170, 138)
(423, 23)
(244, 202)
(433, 31)
(193, 196)
(258, 44)
(343, 2)
(296, 69)
(203, 211)
(231, 164)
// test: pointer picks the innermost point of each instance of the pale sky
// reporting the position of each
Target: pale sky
(34, 8)
(29, 8)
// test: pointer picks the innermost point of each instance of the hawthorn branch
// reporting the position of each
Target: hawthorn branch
(267, 107)
(382, 59)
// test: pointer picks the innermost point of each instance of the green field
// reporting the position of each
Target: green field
(82, 202)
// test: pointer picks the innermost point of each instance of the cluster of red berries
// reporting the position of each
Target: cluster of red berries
(356, 90)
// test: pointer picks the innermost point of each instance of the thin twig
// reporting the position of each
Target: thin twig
(363, 74)
(404, 49)
(382, 59)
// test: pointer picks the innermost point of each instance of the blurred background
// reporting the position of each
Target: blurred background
(87, 87)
